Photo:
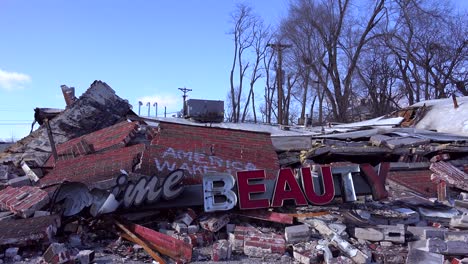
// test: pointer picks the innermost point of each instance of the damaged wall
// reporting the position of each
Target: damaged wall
(199, 150)
(97, 108)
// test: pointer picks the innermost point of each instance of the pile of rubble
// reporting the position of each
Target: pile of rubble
(96, 183)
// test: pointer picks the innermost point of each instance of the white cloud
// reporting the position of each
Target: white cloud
(13, 80)
(172, 102)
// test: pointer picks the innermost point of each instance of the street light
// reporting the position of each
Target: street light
(155, 108)
(148, 104)
(140, 103)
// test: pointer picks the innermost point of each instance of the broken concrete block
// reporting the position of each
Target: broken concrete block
(186, 217)
(297, 233)
(459, 221)
(23, 201)
(19, 181)
(221, 250)
(263, 245)
(355, 254)
(306, 253)
(214, 223)
(85, 256)
(33, 174)
(57, 253)
(416, 256)
(419, 232)
(179, 227)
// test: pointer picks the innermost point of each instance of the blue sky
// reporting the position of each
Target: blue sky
(144, 50)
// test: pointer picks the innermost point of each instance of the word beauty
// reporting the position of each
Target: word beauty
(148, 189)
(255, 191)
(248, 185)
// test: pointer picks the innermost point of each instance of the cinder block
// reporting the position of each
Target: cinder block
(85, 256)
(394, 234)
(297, 233)
(221, 250)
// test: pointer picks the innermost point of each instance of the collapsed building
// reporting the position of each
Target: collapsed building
(97, 181)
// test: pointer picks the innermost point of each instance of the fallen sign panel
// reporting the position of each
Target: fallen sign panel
(318, 186)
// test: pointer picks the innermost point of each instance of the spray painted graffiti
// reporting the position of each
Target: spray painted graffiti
(148, 189)
(195, 163)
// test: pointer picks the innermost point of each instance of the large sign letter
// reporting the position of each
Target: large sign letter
(328, 186)
(217, 191)
(287, 188)
(245, 189)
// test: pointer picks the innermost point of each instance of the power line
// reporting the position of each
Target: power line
(14, 124)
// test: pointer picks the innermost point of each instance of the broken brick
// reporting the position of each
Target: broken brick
(236, 238)
(268, 245)
(28, 231)
(57, 253)
(221, 250)
(214, 223)
(23, 201)
(306, 253)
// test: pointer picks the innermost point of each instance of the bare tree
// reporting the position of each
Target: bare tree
(429, 44)
(261, 36)
(243, 20)
(343, 39)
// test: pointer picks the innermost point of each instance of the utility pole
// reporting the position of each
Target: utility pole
(185, 91)
(278, 47)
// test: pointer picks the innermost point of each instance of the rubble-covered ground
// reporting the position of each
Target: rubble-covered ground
(97, 184)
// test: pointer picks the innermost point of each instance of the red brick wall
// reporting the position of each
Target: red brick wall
(199, 150)
(112, 137)
(416, 180)
(95, 167)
